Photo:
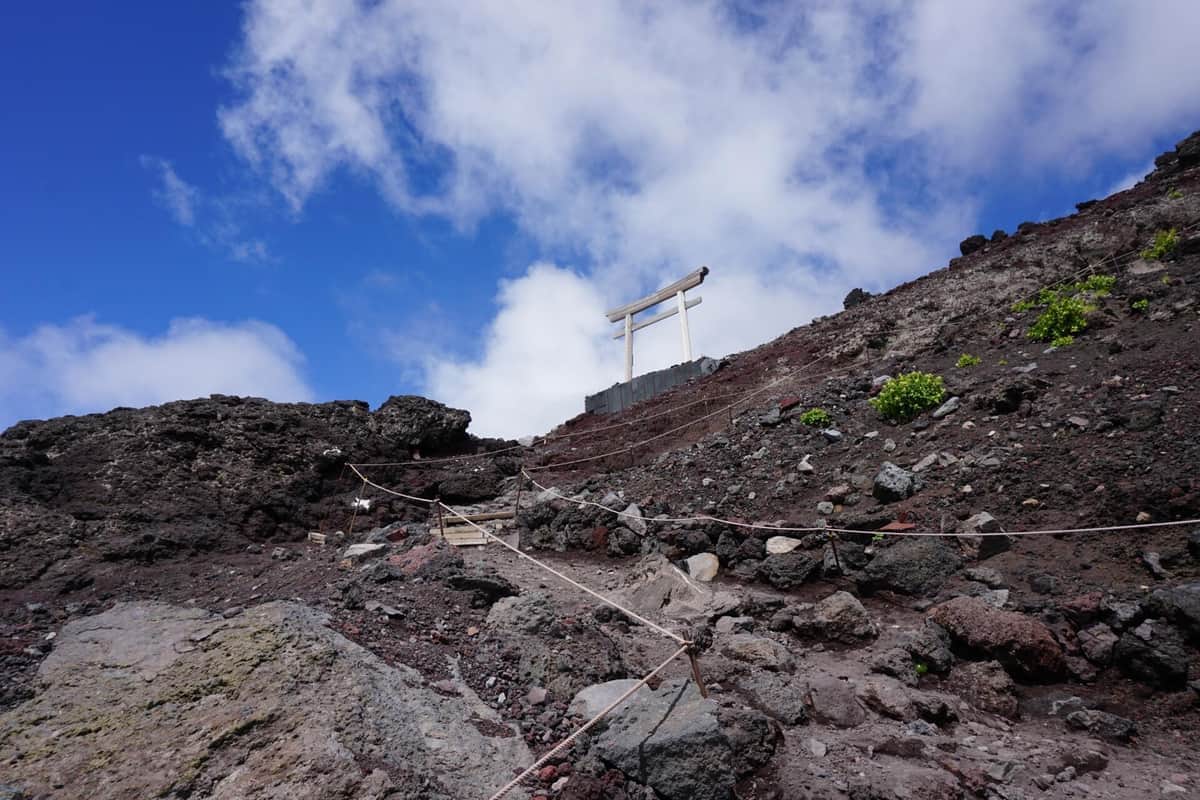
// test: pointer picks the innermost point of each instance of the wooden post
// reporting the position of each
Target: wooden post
(628, 347)
(441, 521)
(683, 327)
(520, 485)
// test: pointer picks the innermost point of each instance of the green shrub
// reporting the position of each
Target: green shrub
(1064, 317)
(1095, 285)
(816, 418)
(921, 668)
(1098, 285)
(1164, 245)
(968, 360)
(1140, 305)
(1063, 341)
(1175, 194)
(905, 396)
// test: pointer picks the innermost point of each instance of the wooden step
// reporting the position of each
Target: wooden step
(464, 535)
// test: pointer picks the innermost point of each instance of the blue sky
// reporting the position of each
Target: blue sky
(350, 200)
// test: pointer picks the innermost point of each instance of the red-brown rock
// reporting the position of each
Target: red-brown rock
(1023, 645)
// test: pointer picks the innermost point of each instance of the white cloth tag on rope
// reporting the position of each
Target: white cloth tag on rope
(361, 504)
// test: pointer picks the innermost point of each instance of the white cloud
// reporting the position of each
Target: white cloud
(798, 151)
(175, 194)
(214, 220)
(86, 366)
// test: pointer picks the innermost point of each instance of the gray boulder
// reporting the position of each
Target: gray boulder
(894, 483)
(595, 698)
(914, 566)
(527, 613)
(839, 617)
(166, 701)
(758, 651)
(833, 702)
(671, 740)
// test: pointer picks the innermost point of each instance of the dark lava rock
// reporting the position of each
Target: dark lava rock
(1193, 545)
(998, 235)
(930, 645)
(1153, 653)
(199, 475)
(1103, 724)
(1180, 604)
(1023, 645)
(856, 297)
(915, 566)
(788, 570)
(972, 243)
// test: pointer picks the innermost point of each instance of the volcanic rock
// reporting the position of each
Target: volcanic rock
(1025, 646)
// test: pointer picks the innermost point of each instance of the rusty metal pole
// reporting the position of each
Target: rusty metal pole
(833, 540)
(696, 672)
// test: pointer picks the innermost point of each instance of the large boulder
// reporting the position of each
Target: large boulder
(1180, 604)
(153, 700)
(758, 651)
(656, 586)
(839, 618)
(671, 740)
(834, 702)
(1023, 645)
(914, 566)
(1153, 653)
(789, 570)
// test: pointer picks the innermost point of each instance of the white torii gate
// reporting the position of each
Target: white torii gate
(677, 290)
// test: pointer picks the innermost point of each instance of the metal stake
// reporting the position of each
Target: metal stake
(696, 672)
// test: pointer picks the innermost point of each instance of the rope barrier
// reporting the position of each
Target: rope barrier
(585, 727)
(571, 581)
(826, 529)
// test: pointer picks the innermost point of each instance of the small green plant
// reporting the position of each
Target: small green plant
(1174, 194)
(1140, 305)
(967, 360)
(1098, 285)
(877, 538)
(1063, 341)
(1002, 362)
(905, 396)
(921, 668)
(816, 418)
(1165, 280)
(1062, 318)
(1164, 245)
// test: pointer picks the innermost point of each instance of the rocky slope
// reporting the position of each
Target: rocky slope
(200, 475)
(145, 552)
